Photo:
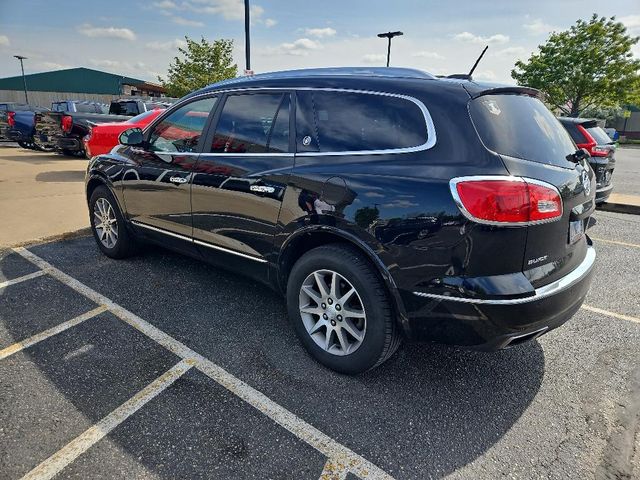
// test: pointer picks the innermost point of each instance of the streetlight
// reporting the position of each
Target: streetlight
(389, 36)
(247, 41)
(24, 80)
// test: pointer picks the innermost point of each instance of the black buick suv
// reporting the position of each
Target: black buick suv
(385, 204)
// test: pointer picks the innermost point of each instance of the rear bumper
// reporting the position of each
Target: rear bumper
(602, 193)
(70, 143)
(495, 323)
(16, 135)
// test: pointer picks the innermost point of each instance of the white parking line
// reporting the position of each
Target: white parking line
(21, 279)
(16, 347)
(334, 471)
(67, 454)
(619, 316)
(338, 453)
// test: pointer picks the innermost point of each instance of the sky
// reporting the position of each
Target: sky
(139, 38)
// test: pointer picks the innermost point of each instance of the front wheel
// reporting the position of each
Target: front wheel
(107, 225)
(340, 309)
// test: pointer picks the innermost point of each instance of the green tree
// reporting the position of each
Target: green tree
(589, 65)
(202, 63)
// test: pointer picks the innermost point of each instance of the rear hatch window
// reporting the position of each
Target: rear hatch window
(124, 108)
(599, 135)
(523, 127)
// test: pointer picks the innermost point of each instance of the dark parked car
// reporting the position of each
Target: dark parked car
(588, 135)
(385, 204)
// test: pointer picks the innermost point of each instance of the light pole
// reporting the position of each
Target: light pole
(389, 36)
(24, 80)
(247, 40)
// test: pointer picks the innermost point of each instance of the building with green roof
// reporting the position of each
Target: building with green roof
(75, 84)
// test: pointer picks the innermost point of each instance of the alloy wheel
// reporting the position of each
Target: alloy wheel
(332, 312)
(105, 222)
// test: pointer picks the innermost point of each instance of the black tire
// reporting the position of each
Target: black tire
(382, 336)
(125, 244)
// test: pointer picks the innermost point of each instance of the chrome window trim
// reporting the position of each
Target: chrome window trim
(453, 183)
(539, 293)
(431, 130)
(197, 242)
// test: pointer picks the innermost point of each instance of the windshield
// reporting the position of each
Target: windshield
(521, 126)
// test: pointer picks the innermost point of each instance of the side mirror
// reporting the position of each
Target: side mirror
(132, 137)
(578, 156)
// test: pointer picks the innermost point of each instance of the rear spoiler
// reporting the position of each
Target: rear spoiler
(531, 92)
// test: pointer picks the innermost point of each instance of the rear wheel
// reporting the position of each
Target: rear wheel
(340, 309)
(107, 225)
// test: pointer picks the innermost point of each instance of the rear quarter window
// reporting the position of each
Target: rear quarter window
(523, 127)
(329, 121)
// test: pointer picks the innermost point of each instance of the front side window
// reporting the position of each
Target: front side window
(253, 123)
(329, 121)
(181, 130)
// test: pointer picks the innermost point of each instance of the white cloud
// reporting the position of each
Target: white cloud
(52, 66)
(485, 75)
(632, 22)
(270, 22)
(471, 38)
(185, 22)
(229, 9)
(302, 46)
(4, 41)
(321, 32)
(105, 63)
(538, 27)
(380, 58)
(165, 4)
(511, 51)
(166, 46)
(107, 32)
(425, 54)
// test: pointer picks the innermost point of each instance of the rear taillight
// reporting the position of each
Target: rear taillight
(66, 123)
(11, 119)
(590, 144)
(502, 200)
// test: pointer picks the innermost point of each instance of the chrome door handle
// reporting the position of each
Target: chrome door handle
(178, 180)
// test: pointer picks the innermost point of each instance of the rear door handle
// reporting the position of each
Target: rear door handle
(178, 180)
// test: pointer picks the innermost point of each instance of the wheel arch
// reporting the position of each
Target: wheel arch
(95, 180)
(314, 236)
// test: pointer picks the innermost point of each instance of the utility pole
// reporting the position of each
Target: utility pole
(247, 39)
(24, 80)
(389, 36)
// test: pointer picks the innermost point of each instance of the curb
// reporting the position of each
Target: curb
(52, 238)
(620, 208)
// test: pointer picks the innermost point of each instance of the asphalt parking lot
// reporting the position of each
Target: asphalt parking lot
(162, 367)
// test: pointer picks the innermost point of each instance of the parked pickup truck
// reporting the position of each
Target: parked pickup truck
(17, 123)
(136, 106)
(63, 130)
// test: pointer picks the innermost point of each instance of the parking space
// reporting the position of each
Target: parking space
(160, 366)
(46, 188)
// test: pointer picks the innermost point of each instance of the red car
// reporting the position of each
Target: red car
(104, 137)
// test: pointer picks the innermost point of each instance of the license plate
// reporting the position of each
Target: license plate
(576, 231)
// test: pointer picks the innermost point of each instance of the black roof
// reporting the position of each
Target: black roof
(578, 121)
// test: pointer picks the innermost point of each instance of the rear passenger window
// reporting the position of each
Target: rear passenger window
(346, 121)
(254, 123)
